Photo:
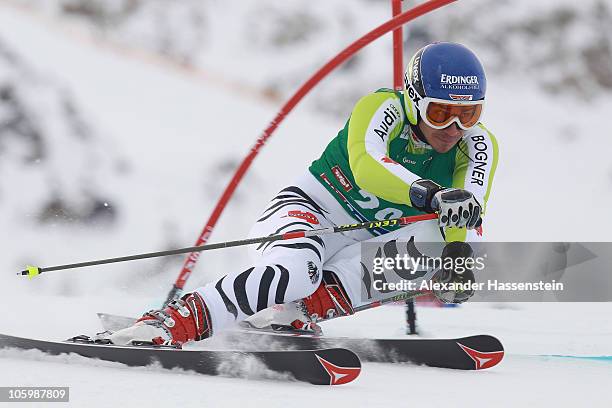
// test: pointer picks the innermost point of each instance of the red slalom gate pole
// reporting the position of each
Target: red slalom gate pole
(398, 48)
(345, 54)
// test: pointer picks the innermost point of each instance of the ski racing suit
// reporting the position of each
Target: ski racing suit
(364, 174)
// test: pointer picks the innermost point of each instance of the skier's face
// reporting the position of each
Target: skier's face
(442, 140)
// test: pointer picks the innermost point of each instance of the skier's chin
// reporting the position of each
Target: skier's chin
(443, 144)
(442, 140)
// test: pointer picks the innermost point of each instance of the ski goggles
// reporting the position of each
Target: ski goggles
(440, 113)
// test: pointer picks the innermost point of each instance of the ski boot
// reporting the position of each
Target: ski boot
(183, 320)
(302, 316)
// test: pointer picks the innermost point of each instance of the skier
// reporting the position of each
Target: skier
(401, 153)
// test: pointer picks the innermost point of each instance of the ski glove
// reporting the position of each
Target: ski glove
(455, 279)
(456, 207)
(453, 288)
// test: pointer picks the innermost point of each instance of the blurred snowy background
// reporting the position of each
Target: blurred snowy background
(121, 121)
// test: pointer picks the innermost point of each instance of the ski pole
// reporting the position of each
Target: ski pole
(32, 271)
(404, 296)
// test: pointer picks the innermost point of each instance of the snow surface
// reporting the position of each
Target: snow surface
(181, 131)
(522, 379)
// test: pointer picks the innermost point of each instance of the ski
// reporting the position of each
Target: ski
(466, 353)
(331, 366)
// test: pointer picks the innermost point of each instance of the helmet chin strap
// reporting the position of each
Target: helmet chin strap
(417, 131)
